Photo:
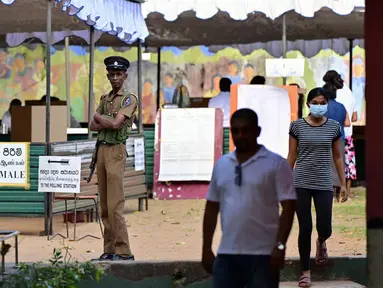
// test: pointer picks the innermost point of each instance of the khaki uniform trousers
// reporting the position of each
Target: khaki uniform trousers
(110, 175)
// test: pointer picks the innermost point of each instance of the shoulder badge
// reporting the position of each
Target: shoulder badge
(126, 102)
(103, 96)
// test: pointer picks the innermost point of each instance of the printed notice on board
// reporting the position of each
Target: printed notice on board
(275, 126)
(14, 164)
(59, 174)
(139, 154)
(187, 144)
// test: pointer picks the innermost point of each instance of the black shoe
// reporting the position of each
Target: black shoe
(123, 258)
(105, 257)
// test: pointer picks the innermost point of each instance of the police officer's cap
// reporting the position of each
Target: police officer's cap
(116, 63)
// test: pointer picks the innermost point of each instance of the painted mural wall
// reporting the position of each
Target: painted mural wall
(22, 74)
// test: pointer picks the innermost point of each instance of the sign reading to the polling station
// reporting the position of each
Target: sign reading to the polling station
(59, 174)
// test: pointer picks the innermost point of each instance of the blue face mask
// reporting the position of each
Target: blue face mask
(318, 110)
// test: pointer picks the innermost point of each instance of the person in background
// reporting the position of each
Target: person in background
(346, 97)
(246, 188)
(315, 143)
(248, 73)
(301, 100)
(181, 97)
(6, 120)
(258, 80)
(336, 111)
(233, 75)
(214, 90)
(222, 100)
(73, 121)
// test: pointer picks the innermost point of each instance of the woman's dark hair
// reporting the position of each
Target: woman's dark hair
(318, 91)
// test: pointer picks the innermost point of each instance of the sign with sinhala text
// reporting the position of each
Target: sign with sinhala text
(14, 165)
(59, 174)
(139, 154)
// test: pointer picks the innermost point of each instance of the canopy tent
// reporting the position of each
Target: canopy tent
(117, 17)
(219, 22)
(244, 24)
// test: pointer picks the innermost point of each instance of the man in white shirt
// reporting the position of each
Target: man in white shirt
(222, 100)
(6, 120)
(247, 187)
(346, 97)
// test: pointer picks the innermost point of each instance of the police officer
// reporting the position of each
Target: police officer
(113, 121)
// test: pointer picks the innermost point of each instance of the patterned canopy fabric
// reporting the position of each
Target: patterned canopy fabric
(116, 17)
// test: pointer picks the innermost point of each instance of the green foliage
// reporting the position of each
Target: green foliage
(60, 273)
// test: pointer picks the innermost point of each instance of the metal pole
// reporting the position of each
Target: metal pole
(284, 41)
(67, 80)
(351, 41)
(158, 100)
(91, 78)
(139, 83)
(48, 196)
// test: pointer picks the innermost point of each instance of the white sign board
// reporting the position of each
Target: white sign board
(187, 144)
(275, 126)
(285, 67)
(139, 154)
(14, 164)
(59, 174)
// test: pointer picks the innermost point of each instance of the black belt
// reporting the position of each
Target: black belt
(111, 144)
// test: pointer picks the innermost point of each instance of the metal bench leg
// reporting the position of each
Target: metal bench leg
(17, 249)
(140, 204)
(147, 202)
(2, 260)
(97, 216)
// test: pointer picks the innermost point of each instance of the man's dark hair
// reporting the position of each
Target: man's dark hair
(258, 80)
(53, 98)
(15, 102)
(169, 75)
(245, 114)
(249, 66)
(224, 84)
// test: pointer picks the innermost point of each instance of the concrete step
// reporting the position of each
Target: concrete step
(325, 284)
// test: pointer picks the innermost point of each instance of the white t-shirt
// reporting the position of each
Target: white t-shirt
(6, 121)
(346, 97)
(222, 101)
(250, 212)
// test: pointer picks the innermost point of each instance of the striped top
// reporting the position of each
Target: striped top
(313, 165)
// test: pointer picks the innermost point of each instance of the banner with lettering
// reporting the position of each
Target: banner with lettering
(14, 164)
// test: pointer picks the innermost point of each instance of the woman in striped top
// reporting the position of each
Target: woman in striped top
(314, 143)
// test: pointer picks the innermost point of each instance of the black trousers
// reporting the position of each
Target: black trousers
(323, 206)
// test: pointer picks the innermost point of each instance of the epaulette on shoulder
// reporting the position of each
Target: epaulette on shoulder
(103, 96)
(134, 95)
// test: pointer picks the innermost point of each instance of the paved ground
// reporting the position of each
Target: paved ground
(171, 230)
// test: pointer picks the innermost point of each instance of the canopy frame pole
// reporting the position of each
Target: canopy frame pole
(48, 196)
(158, 100)
(350, 71)
(284, 42)
(139, 86)
(67, 81)
(91, 79)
